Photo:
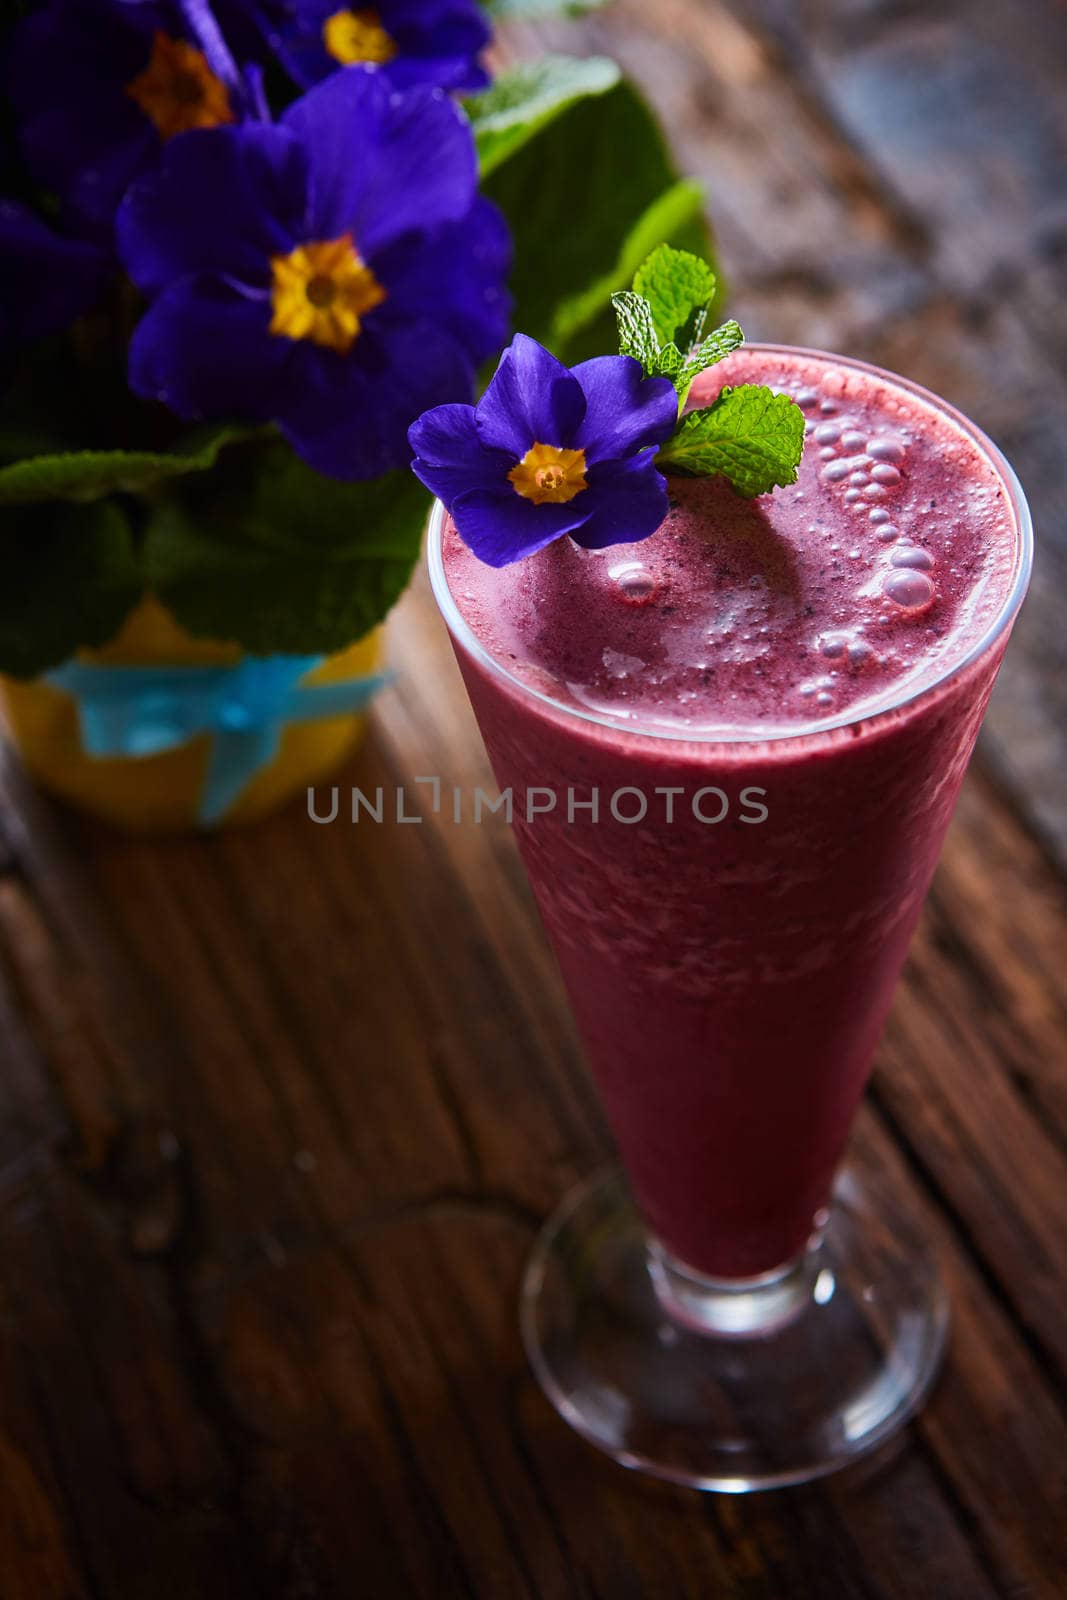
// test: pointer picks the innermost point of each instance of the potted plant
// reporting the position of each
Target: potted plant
(244, 245)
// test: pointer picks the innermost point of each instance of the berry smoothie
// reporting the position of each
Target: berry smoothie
(734, 750)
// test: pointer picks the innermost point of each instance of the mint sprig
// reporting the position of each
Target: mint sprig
(679, 287)
(710, 350)
(637, 331)
(749, 434)
(661, 319)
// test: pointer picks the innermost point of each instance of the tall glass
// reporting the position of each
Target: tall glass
(740, 1322)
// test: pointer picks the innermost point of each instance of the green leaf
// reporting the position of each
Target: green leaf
(638, 338)
(679, 287)
(668, 362)
(95, 474)
(751, 435)
(71, 574)
(586, 201)
(527, 98)
(581, 322)
(503, 10)
(269, 553)
(637, 333)
(714, 348)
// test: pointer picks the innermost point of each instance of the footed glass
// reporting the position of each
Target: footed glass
(731, 1309)
(732, 1384)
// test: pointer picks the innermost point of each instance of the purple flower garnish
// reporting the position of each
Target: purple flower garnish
(45, 280)
(100, 86)
(550, 450)
(336, 274)
(411, 41)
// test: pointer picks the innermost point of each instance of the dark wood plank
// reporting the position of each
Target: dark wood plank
(114, 1478)
(1014, 944)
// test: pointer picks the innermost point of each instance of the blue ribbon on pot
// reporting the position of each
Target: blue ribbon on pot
(145, 711)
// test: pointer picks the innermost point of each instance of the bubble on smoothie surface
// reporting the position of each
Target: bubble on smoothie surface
(912, 556)
(635, 584)
(887, 449)
(846, 648)
(912, 591)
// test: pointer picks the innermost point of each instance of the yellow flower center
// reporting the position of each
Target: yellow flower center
(351, 36)
(178, 91)
(548, 474)
(321, 292)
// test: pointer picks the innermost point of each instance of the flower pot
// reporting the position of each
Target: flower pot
(137, 735)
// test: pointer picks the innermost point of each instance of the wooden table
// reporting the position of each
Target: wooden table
(281, 1110)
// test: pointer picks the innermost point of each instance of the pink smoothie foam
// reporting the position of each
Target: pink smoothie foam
(813, 657)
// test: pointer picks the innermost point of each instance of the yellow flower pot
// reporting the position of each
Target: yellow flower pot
(162, 792)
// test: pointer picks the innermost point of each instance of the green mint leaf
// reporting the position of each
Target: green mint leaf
(679, 288)
(663, 328)
(95, 474)
(525, 99)
(668, 363)
(637, 331)
(638, 338)
(701, 356)
(693, 331)
(750, 435)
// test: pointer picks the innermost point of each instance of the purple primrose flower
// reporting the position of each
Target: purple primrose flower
(550, 450)
(99, 87)
(335, 274)
(411, 41)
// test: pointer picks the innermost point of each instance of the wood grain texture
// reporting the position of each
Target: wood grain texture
(281, 1110)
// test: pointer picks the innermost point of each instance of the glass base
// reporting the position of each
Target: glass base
(728, 1385)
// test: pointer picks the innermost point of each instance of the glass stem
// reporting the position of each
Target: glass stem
(737, 1308)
